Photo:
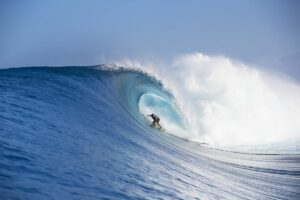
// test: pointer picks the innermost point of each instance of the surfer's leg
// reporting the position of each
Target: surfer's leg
(153, 124)
(157, 122)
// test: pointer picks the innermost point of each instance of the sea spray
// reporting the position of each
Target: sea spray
(225, 102)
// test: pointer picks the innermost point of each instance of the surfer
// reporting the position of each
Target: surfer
(155, 120)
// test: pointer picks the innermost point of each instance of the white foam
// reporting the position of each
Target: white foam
(229, 103)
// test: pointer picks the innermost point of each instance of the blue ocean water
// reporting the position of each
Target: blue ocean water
(78, 133)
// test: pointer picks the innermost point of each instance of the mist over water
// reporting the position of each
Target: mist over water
(228, 103)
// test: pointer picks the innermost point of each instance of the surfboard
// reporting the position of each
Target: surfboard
(157, 127)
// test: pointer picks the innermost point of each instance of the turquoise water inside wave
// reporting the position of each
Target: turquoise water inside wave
(82, 133)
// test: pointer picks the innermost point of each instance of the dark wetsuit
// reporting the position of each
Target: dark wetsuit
(155, 120)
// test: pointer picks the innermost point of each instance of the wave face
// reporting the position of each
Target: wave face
(83, 133)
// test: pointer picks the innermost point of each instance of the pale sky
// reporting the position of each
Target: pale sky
(88, 32)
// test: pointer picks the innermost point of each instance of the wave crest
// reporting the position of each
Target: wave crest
(229, 103)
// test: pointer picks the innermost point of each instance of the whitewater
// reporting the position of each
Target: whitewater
(231, 131)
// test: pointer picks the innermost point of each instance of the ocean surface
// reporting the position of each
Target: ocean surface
(83, 133)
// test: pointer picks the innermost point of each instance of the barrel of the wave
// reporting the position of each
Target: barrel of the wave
(141, 94)
(163, 107)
